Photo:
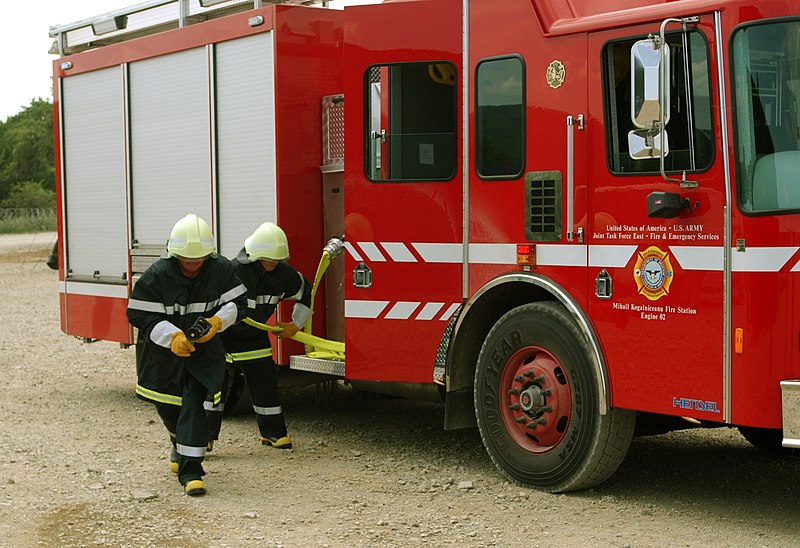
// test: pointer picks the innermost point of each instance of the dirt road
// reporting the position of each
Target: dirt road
(83, 463)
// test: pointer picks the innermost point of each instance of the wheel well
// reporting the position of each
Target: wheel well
(476, 322)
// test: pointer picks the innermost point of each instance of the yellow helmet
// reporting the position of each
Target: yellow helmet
(190, 238)
(267, 242)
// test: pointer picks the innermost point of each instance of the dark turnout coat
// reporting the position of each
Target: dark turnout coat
(264, 291)
(163, 294)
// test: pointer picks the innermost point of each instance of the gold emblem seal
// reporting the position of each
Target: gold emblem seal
(653, 273)
(555, 74)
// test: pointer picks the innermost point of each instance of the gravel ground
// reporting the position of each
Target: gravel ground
(83, 463)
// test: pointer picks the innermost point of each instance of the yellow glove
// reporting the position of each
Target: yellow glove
(180, 345)
(216, 323)
(289, 330)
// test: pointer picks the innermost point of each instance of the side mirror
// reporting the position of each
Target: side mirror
(646, 68)
(649, 97)
(644, 144)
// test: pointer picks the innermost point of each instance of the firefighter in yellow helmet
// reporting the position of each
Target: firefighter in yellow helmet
(262, 267)
(182, 361)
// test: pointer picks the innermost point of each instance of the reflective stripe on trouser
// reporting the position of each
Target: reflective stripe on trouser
(188, 422)
(262, 380)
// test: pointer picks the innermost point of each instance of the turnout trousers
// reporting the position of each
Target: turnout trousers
(261, 375)
(188, 429)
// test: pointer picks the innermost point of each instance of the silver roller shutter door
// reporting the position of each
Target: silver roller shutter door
(170, 142)
(94, 173)
(245, 93)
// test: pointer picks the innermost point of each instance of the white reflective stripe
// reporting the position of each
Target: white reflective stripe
(93, 290)
(231, 294)
(398, 252)
(762, 259)
(440, 253)
(162, 333)
(610, 256)
(402, 310)
(191, 308)
(754, 259)
(267, 410)
(363, 309)
(698, 257)
(352, 250)
(449, 312)
(197, 308)
(429, 311)
(264, 299)
(209, 406)
(188, 451)
(372, 252)
(560, 255)
(492, 253)
(147, 306)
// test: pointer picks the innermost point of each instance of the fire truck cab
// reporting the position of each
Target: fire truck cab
(566, 220)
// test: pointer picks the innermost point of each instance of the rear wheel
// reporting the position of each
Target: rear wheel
(537, 401)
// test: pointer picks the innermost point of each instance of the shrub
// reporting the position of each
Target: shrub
(29, 195)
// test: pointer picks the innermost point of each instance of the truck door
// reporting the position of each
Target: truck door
(656, 273)
(402, 186)
(765, 235)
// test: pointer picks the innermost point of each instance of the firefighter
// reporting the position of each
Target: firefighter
(262, 267)
(176, 373)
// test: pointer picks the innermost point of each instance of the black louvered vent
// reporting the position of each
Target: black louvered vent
(543, 206)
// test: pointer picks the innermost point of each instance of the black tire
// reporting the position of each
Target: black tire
(538, 351)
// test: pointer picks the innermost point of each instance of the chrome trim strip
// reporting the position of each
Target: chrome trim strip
(570, 174)
(726, 284)
(465, 150)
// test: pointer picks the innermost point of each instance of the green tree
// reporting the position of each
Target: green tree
(26, 150)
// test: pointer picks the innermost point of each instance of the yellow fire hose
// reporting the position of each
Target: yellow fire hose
(316, 347)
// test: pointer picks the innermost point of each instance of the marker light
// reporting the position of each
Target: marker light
(526, 254)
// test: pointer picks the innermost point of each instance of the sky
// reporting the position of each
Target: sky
(24, 42)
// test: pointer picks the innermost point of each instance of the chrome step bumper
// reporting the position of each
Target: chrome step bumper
(317, 365)
(790, 405)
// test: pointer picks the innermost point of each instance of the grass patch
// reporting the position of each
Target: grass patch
(25, 220)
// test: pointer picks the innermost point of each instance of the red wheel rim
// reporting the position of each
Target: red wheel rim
(535, 399)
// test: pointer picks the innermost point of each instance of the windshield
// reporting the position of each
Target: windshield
(766, 64)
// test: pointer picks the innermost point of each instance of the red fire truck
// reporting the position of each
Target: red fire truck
(566, 220)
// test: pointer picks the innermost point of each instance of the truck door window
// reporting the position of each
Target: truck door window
(766, 87)
(410, 122)
(690, 138)
(499, 118)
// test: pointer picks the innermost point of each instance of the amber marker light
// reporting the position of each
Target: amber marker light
(526, 254)
(738, 340)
